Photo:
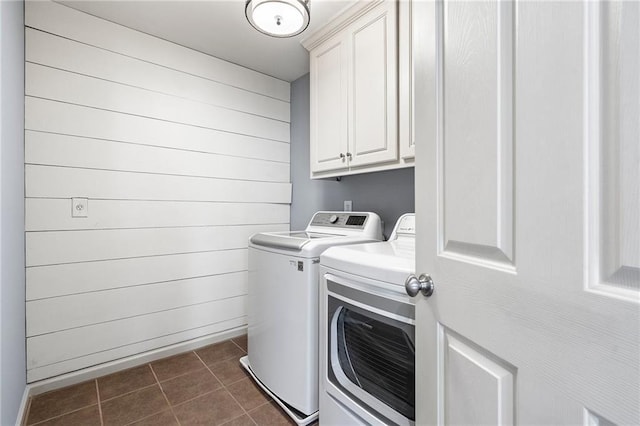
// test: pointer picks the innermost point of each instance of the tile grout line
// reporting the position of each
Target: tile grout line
(25, 421)
(148, 417)
(126, 393)
(246, 352)
(241, 348)
(195, 397)
(222, 385)
(259, 406)
(63, 414)
(235, 418)
(177, 355)
(164, 395)
(99, 403)
(226, 389)
(211, 371)
(157, 382)
(269, 401)
(237, 402)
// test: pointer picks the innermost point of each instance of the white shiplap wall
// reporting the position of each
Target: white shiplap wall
(182, 157)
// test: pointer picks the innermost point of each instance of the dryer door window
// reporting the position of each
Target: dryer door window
(379, 358)
(371, 356)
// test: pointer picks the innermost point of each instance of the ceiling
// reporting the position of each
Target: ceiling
(218, 28)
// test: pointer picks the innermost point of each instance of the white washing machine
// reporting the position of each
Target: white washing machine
(367, 332)
(283, 305)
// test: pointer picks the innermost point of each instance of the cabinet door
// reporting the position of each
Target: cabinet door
(373, 87)
(328, 106)
(411, 51)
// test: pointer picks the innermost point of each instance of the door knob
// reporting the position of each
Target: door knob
(414, 285)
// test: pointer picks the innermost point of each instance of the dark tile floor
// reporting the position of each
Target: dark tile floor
(203, 387)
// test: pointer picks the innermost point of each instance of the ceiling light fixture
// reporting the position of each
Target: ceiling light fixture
(278, 18)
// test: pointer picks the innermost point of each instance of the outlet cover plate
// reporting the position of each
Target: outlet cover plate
(79, 207)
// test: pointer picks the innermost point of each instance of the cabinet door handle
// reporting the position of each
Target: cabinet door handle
(342, 155)
(349, 155)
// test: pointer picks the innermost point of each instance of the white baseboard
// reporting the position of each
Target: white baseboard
(24, 406)
(85, 374)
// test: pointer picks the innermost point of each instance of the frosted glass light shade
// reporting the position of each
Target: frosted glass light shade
(278, 18)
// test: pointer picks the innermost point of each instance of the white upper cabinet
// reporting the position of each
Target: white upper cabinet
(329, 106)
(372, 83)
(354, 92)
(410, 16)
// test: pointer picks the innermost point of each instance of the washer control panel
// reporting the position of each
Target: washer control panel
(340, 219)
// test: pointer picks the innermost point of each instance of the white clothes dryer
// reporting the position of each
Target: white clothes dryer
(283, 305)
(367, 332)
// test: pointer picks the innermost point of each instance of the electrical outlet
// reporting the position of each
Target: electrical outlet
(79, 207)
(348, 206)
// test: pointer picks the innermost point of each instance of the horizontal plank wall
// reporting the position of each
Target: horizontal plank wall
(182, 157)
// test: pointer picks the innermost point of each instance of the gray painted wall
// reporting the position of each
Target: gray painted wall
(390, 193)
(12, 288)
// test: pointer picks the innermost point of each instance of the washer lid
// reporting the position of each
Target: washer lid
(292, 240)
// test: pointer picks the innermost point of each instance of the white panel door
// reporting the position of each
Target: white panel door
(528, 205)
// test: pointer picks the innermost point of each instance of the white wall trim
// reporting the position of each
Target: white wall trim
(24, 406)
(97, 371)
(100, 370)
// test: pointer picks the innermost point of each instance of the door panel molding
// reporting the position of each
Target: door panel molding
(593, 419)
(477, 134)
(613, 153)
(476, 386)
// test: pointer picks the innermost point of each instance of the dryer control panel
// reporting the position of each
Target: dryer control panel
(405, 227)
